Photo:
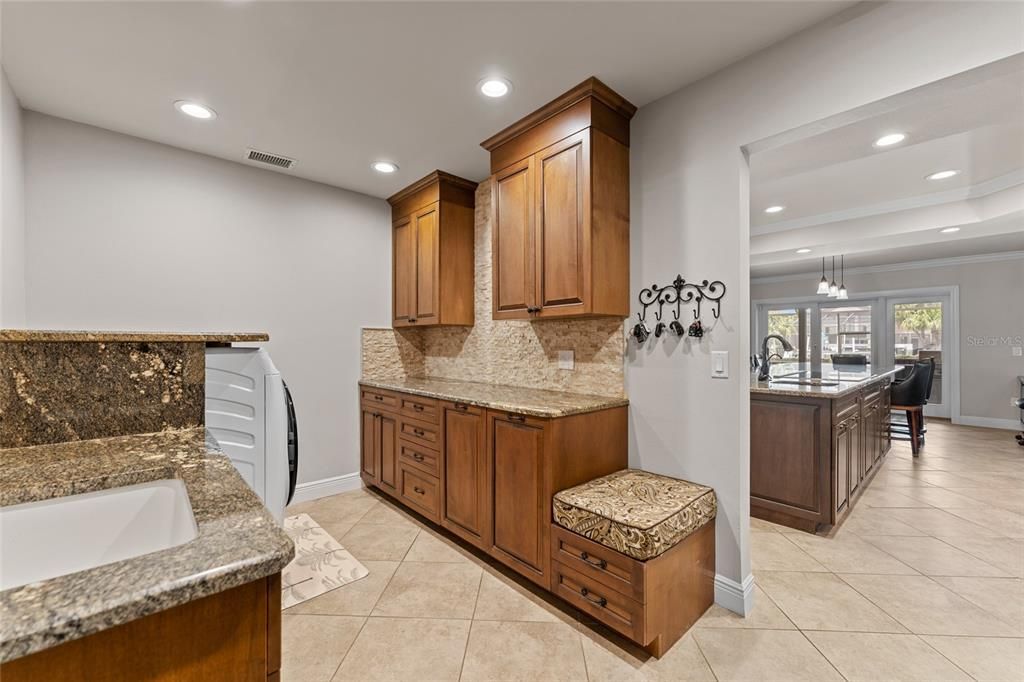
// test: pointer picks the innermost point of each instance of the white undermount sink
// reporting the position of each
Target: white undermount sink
(50, 538)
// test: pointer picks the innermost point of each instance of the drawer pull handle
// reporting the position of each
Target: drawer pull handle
(600, 601)
(418, 408)
(600, 563)
(418, 490)
(517, 418)
(378, 398)
(417, 456)
(462, 407)
(418, 432)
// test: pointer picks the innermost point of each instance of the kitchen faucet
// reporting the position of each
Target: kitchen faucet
(764, 373)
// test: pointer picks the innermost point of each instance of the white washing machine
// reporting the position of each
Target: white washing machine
(249, 411)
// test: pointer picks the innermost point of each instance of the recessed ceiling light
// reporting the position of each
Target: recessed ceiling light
(775, 209)
(890, 139)
(949, 230)
(495, 87)
(195, 110)
(943, 175)
(384, 166)
(803, 250)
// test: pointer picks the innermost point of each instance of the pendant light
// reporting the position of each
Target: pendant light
(833, 288)
(842, 295)
(823, 284)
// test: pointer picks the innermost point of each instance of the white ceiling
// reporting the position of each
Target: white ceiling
(845, 196)
(339, 85)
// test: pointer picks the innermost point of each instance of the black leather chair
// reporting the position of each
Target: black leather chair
(911, 395)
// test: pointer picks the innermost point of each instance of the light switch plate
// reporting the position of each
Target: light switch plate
(1017, 351)
(566, 359)
(720, 364)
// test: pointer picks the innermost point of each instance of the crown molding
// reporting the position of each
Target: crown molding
(889, 267)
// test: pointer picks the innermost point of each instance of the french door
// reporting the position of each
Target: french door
(827, 336)
(919, 328)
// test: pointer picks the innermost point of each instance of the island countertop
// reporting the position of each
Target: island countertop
(535, 402)
(72, 336)
(835, 383)
(237, 541)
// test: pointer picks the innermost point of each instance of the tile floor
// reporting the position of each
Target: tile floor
(923, 581)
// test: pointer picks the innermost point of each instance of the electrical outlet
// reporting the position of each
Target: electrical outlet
(566, 359)
(719, 364)
(1017, 351)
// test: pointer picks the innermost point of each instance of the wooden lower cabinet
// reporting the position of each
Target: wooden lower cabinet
(379, 454)
(231, 636)
(467, 474)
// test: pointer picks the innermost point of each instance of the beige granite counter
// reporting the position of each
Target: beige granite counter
(530, 401)
(833, 386)
(237, 542)
(58, 335)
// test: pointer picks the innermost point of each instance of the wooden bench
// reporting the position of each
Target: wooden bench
(636, 551)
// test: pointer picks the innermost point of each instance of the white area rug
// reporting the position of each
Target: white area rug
(320, 565)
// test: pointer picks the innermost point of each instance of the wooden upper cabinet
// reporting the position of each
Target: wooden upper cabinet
(561, 208)
(432, 242)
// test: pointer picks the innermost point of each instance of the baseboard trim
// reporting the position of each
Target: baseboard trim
(304, 492)
(990, 423)
(738, 598)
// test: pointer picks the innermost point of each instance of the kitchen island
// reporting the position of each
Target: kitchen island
(815, 443)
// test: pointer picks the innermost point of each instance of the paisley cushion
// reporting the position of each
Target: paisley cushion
(635, 512)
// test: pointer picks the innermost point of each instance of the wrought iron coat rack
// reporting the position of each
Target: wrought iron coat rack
(678, 293)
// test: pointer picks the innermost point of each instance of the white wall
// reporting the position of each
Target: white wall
(689, 215)
(991, 316)
(12, 209)
(129, 234)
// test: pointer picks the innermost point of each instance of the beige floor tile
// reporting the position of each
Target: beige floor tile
(350, 506)
(355, 599)
(377, 542)
(430, 547)
(869, 657)
(1001, 521)
(388, 514)
(406, 649)
(502, 599)
(997, 480)
(870, 521)
(937, 522)
(336, 528)
(312, 647)
(926, 607)
(770, 655)
(431, 590)
(528, 651)
(848, 553)
(611, 658)
(821, 601)
(1004, 553)
(1006, 499)
(985, 658)
(766, 615)
(774, 552)
(1002, 597)
(944, 498)
(943, 479)
(932, 556)
(889, 497)
(762, 526)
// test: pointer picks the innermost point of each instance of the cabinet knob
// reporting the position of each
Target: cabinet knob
(418, 408)
(418, 432)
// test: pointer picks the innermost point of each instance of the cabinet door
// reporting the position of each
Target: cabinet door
(512, 242)
(562, 225)
(841, 450)
(854, 448)
(427, 265)
(403, 244)
(368, 448)
(466, 474)
(387, 445)
(519, 518)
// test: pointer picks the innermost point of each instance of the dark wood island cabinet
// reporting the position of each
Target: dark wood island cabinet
(814, 448)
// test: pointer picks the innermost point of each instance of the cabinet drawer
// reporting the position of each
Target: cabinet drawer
(420, 491)
(424, 409)
(608, 567)
(421, 433)
(419, 457)
(845, 407)
(382, 399)
(615, 610)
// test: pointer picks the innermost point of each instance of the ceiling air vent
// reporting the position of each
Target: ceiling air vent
(270, 159)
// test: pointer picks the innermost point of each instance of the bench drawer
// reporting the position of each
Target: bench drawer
(419, 457)
(420, 491)
(612, 569)
(420, 433)
(424, 409)
(617, 611)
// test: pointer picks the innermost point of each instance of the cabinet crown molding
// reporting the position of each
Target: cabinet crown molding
(436, 177)
(590, 88)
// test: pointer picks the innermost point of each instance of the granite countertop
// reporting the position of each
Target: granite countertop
(55, 335)
(530, 401)
(848, 381)
(237, 542)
